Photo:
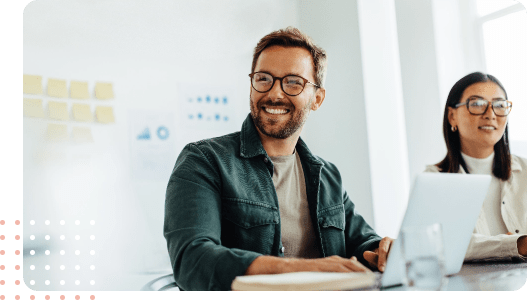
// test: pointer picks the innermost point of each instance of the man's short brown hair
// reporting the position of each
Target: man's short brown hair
(292, 37)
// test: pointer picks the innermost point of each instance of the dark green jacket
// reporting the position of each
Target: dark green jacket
(221, 210)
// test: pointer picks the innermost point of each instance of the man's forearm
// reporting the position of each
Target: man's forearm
(276, 265)
(269, 265)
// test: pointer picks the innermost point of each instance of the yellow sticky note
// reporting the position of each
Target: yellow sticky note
(49, 158)
(58, 110)
(32, 84)
(104, 114)
(79, 90)
(57, 132)
(33, 108)
(103, 90)
(57, 88)
(81, 134)
(82, 112)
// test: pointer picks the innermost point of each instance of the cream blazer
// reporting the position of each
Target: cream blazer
(482, 245)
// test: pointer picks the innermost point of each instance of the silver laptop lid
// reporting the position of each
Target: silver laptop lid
(454, 201)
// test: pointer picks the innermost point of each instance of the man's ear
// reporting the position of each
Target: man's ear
(452, 117)
(320, 95)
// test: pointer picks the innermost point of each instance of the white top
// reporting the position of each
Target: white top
(485, 245)
(492, 205)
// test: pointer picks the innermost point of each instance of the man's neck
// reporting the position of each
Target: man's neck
(279, 147)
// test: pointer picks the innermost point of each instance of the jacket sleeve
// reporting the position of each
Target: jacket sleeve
(359, 235)
(496, 247)
(192, 226)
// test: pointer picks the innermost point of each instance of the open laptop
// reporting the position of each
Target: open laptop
(454, 201)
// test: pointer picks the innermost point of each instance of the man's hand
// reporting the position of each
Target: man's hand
(378, 257)
(276, 265)
(522, 245)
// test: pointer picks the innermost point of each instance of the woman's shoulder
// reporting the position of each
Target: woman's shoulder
(432, 169)
(518, 163)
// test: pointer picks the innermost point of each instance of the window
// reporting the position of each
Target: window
(503, 25)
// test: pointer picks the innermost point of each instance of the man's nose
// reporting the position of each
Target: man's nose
(276, 91)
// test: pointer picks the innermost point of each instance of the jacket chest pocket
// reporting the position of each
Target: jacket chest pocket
(248, 225)
(332, 222)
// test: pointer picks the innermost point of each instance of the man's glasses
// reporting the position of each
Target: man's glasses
(292, 85)
(479, 106)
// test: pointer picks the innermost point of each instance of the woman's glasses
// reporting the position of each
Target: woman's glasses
(479, 106)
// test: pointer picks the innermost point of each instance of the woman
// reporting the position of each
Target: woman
(476, 135)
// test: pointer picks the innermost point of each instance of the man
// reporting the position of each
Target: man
(257, 201)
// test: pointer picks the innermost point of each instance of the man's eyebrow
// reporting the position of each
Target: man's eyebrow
(288, 74)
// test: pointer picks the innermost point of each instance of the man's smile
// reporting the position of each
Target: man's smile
(275, 111)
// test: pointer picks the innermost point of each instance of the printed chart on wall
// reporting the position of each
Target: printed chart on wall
(152, 144)
(205, 111)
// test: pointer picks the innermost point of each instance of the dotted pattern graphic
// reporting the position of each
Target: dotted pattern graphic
(11, 260)
(62, 267)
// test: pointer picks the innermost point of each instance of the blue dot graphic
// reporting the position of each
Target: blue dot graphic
(191, 117)
(226, 118)
(199, 116)
(224, 100)
(162, 132)
(217, 117)
(217, 100)
(199, 99)
(208, 99)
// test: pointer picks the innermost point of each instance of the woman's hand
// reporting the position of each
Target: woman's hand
(522, 245)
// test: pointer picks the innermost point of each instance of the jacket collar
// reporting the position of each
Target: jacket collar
(251, 145)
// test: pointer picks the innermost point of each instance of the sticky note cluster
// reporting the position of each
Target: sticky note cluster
(58, 88)
(59, 133)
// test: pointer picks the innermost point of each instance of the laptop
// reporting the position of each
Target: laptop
(454, 201)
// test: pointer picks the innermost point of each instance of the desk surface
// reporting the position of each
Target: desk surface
(483, 276)
(486, 276)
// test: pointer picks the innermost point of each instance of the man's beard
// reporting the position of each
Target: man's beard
(293, 124)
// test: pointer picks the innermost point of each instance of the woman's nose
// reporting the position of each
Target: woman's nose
(489, 114)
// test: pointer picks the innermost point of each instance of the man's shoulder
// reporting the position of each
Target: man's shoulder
(228, 141)
(212, 149)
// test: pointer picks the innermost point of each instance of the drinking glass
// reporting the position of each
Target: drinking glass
(422, 249)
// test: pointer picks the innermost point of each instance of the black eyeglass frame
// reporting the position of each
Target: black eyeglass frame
(488, 104)
(281, 79)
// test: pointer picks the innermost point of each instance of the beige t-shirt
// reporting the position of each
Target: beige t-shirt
(298, 236)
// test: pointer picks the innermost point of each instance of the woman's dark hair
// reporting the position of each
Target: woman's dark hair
(501, 167)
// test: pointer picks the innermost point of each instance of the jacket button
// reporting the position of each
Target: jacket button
(282, 250)
(517, 231)
(265, 159)
(503, 202)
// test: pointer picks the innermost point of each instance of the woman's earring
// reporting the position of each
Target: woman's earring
(454, 128)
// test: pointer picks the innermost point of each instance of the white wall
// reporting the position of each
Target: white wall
(338, 130)
(420, 80)
(390, 177)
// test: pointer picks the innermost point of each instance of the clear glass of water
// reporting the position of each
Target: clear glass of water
(422, 249)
